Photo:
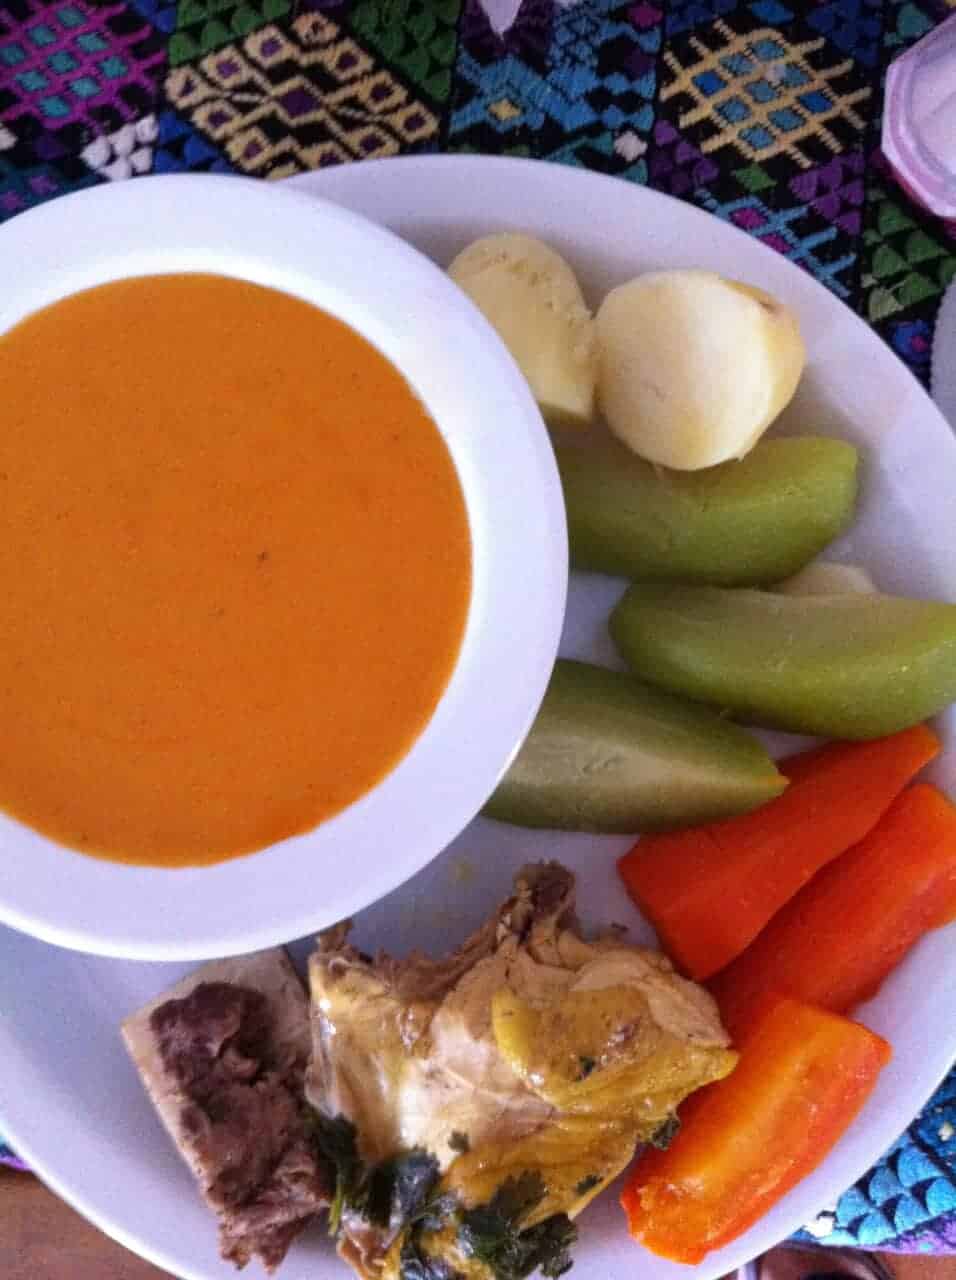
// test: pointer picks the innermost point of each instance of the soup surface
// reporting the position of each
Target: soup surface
(235, 568)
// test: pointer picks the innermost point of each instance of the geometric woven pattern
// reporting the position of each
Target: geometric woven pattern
(589, 99)
(63, 65)
(834, 190)
(781, 229)
(288, 100)
(417, 37)
(911, 1187)
(760, 95)
(180, 148)
(852, 26)
(202, 26)
(906, 263)
(22, 186)
(766, 113)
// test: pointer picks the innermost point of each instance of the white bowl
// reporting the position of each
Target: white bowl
(408, 309)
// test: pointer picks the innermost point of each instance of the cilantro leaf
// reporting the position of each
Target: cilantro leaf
(336, 1140)
(415, 1265)
(492, 1233)
(398, 1190)
(548, 1245)
(403, 1192)
(437, 1212)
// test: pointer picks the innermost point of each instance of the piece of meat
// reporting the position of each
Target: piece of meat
(268, 1222)
(534, 1048)
(403, 1048)
(216, 1034)
(241, 1109)
(224, 1061)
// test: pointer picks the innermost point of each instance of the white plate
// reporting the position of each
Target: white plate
(68, 1097)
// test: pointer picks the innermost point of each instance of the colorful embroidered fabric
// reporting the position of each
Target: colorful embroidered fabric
(907, 1202)
(764, 112)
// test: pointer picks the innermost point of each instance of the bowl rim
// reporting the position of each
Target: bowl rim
(425, 325)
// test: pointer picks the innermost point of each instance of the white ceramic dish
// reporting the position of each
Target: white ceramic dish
(453, 359)
(68, 1097)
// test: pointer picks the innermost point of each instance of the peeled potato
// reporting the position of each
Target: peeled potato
(531, 296)
(824, 578)
(693, 368)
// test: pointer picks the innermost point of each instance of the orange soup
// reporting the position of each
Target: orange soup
(235, 566)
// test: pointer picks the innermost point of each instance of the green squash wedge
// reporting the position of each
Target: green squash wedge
(747, 523)
(847, 666)
(609, 754)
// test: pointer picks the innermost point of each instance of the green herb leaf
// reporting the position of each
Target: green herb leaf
(433, 1216)
(459, 1142)
(437, 1211)
(398, 1190)
(415, 1265)
(663, 1136)
(586, 1066)
(492, 1233)
(401, 1192)
(549, 1245)
(587, 1184)
(337, 1142)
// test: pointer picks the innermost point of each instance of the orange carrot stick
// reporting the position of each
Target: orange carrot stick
(709, 890)
(743, 1143)
(836, 941)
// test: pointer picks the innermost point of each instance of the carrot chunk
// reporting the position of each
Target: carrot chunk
(710, 890)
(802, 1077)
(835, 942)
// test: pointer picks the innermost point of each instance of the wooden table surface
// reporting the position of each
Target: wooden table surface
(41, 1238)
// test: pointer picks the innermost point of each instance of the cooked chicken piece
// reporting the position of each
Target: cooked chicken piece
(530, 1051)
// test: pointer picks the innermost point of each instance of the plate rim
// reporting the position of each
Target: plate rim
(735, 1255)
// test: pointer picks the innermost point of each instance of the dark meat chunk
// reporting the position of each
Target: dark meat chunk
(243, 1118)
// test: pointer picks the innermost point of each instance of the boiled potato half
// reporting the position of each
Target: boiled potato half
(693, 368)
(532, 297)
